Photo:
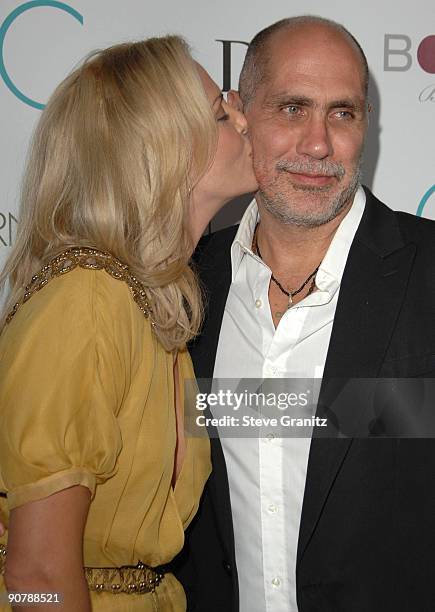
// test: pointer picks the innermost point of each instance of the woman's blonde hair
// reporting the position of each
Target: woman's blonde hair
(113, 159)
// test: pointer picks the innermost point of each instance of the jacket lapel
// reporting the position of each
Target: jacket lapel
(371, 293)
(213, 262)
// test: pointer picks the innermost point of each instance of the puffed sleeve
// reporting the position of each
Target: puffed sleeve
(59, 391)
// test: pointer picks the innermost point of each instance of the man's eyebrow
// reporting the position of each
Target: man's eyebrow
(280, 99)
(346, 103)
(287, 99)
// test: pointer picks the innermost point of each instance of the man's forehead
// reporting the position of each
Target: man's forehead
(308, 37)
(311, 87)
(316, 74)
(311, 49)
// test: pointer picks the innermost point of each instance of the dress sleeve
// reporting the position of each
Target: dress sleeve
(59, 392)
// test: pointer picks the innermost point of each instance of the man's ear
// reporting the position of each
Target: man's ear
(234, 100)
(369, 112)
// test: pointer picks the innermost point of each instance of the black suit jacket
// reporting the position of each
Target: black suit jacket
(367, 534)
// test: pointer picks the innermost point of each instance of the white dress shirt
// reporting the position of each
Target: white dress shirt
(267, 475)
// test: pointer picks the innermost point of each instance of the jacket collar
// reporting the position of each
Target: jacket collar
(371, 294)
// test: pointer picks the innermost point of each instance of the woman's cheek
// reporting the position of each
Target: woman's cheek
(237, 146)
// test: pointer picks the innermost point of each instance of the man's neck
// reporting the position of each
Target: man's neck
(290, 249)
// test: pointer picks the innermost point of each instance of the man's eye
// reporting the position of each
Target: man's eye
(344, 114)
(292, 109)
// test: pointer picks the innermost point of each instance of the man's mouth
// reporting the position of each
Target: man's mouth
(318, 180)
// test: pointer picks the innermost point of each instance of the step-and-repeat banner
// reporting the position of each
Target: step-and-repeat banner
(41, 41)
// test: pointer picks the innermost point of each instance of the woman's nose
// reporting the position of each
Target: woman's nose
(236, 112)
(240, 122)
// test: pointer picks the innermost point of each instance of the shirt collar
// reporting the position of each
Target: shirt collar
(242, 243)
(331, 269)
(333, 264)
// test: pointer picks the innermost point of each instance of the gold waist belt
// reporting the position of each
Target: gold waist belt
(138, 578)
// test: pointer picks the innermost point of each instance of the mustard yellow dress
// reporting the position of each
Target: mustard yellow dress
(87, 398)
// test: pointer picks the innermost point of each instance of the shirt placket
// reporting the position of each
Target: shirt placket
(273, 493)
(272, 522)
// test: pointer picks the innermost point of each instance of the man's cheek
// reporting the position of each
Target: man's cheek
(261, 170)
(348, 150)
(279, 142)
(268, 151)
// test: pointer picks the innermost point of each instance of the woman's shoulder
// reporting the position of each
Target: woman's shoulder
(82, 287)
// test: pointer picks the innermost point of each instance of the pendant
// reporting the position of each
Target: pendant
(290, 300)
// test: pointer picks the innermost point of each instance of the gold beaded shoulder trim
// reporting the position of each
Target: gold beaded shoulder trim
(89, 259)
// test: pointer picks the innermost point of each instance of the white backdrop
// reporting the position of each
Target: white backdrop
(41, 41)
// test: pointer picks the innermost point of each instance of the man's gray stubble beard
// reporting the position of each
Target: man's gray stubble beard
(279, 208)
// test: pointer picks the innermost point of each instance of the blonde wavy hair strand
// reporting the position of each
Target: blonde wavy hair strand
(116, 151)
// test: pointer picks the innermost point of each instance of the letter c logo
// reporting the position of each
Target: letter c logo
(424, 200)
(5, 27)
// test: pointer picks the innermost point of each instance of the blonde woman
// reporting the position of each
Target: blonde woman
(133, 155)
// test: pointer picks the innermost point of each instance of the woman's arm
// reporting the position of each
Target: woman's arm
(45, 549)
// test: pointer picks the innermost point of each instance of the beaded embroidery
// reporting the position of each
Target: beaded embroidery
(89, 259)
(129, 579)
(138, 579)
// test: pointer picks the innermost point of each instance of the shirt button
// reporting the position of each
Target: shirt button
(258, 303)
(272, 508)
(276, 582)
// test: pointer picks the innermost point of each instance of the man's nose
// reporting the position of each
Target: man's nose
(315, 140)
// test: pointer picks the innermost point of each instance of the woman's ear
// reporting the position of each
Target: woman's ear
(234, 100)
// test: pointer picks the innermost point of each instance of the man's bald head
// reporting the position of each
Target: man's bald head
(255, 68)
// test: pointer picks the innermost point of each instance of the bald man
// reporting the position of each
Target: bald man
(319, 280)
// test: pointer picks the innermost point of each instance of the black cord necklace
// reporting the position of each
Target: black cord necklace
(289, 294)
